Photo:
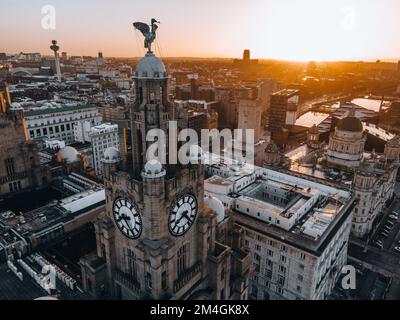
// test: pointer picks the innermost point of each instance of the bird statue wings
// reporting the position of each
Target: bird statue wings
(142, 27)
(149, 34)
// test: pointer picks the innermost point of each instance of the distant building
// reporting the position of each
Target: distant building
(249, 117)
(246, 62)
(102, 137)
(57, 120)
(346, 143)
(29, 57)
(346, 164)
(283, 109)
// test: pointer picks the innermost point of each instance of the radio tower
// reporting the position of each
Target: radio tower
(54, 47)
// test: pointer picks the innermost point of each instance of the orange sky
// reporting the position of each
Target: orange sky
(278, 29)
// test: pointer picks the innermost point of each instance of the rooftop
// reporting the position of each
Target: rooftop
(290, 207)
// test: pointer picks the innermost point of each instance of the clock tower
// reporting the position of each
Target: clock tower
(157, 238)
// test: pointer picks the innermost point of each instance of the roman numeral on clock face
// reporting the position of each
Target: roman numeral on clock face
(182, 214)
(127, 218)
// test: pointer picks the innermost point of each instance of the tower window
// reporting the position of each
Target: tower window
(149, 281)
(182, 256)
(9, 163)
(131, 263)
(164, 280)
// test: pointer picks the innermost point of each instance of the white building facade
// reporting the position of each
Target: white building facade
(296, 230)
(58, 121)
(102, 137)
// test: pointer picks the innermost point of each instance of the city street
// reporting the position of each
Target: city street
(392, 237)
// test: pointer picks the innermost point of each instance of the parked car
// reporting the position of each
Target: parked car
(384, 234)
(397, 249)
(392, 216)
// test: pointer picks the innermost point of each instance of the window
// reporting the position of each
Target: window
(300, 277)
(131, 263)
(9, 163)
(268, 273)
(283, 259)
(149, 282)
(282, 269)
(182, 252)
(164, 280)
(270, 253)
(254, 290)
(302, 256)
(222, 295)
(281, 280)
(284, 248)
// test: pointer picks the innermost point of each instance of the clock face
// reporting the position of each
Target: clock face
(182, 214)
(127, 218)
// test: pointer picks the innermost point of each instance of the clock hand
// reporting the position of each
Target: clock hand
(184, 215)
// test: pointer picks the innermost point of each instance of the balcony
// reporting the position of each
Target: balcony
(127, 280)
(186, 276)
(14, 176)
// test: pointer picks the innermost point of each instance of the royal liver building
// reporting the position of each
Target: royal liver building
(158, 239)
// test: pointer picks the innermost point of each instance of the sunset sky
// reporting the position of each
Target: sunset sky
(277, 29)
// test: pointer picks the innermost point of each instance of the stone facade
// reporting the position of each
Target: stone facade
(19, 160)
(346, 144)
(160, 258)
(373, 185)
(374, 178)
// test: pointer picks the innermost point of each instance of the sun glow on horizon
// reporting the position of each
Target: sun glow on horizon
(293, 30)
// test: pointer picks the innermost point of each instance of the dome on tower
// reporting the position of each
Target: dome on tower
(150, 67)
(153, 169)
(350, 123)
(216, 204)
(68, 154)
(111, 155)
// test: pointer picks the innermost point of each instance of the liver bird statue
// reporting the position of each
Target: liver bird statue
(149, 32)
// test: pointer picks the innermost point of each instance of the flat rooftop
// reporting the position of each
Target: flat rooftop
(286, 93)
(288, 207)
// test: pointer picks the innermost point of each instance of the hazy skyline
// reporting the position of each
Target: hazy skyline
(271, 29)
